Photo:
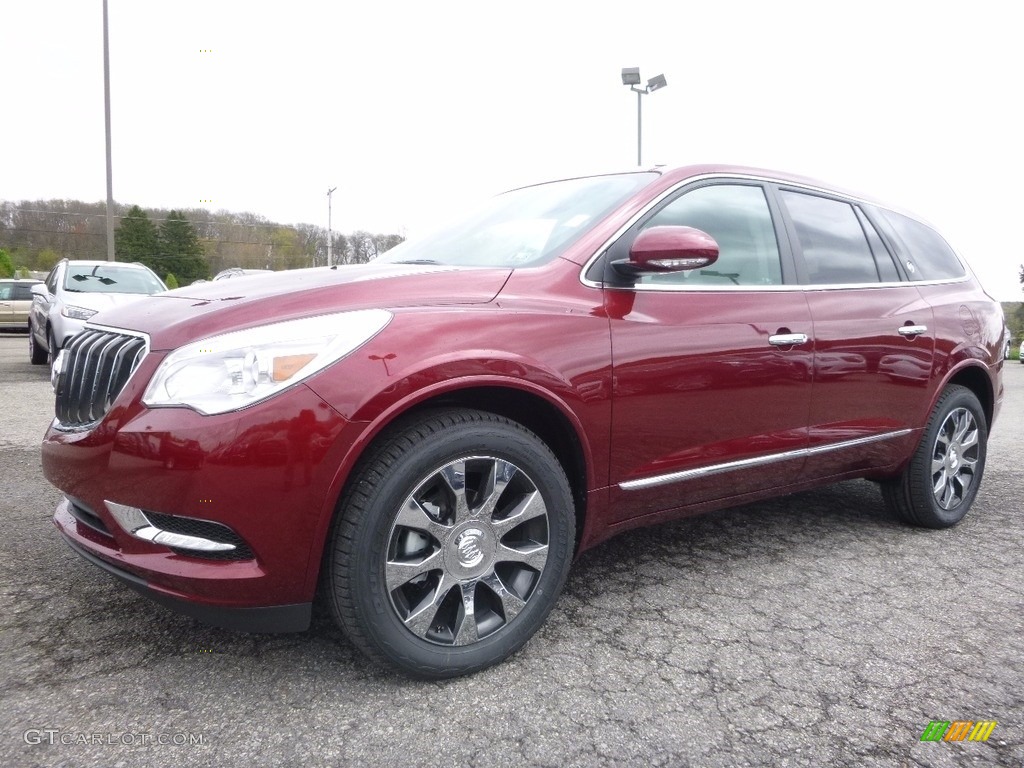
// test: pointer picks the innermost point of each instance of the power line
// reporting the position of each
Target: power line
(229, 223)
(214, 240)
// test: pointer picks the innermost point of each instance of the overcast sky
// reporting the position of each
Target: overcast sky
(415, 109)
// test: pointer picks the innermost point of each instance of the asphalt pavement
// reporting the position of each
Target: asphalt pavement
(813, 630)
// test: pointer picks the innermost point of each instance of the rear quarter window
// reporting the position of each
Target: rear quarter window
(926, 256)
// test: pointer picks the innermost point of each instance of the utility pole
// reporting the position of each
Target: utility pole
(106, 110)
(330, 237)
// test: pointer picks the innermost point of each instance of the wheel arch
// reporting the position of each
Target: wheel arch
(977, 380)
(540, 415)
(538, 410)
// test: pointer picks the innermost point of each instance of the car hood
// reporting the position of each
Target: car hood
(199, 311)
(100, 301)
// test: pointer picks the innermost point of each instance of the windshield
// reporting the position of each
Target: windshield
(525, 227)
(111, 278)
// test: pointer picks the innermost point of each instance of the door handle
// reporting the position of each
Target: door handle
(910, 331)
(787, 339)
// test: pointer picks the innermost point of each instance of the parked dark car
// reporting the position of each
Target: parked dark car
(431, 438)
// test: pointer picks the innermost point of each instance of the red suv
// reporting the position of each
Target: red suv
(429, 439)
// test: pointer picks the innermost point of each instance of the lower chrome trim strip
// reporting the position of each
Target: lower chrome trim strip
(730, 466)
(134, 521)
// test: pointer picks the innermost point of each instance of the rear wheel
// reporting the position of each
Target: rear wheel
(451, 544)
(939, 485)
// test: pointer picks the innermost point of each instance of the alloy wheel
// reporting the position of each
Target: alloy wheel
(466, 550)
(955, 458)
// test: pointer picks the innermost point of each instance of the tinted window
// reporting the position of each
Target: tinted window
(737, 217)
(22, 292)
(930, 255)
(832, 241)
(524, 227)
(883, 259)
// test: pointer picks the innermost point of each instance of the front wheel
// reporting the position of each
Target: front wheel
(451, 544)
(939, 485)
(51, 348)
(35, 353)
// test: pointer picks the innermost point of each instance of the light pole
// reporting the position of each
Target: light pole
(106, 112)
(631, 77)
(330, 237)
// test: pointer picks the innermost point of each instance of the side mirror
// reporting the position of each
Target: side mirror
(669, 249)
(39, 289)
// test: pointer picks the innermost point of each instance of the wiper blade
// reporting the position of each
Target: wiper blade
(417, 261)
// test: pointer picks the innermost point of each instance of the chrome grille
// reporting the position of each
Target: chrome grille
(96, 366)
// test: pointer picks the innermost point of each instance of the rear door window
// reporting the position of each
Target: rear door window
(832, 240)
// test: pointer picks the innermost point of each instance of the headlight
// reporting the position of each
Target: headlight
(227, 372)
(77, 313)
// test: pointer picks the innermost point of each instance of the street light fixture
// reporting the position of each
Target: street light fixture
(631, 77)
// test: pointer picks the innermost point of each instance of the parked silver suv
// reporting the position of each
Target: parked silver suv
(73, 292)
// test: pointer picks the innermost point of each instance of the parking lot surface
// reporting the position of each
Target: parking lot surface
(811, 630)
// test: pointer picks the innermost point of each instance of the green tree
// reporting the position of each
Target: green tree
(46, 259)
(285, 250)
(6, 265)
(136, 240)
(171, 281)
(180, 248)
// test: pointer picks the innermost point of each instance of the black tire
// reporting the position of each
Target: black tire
(51, 348)
(939, 485)
(420, 625)
(35, 353)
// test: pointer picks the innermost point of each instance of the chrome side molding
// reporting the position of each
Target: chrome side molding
(731, 466)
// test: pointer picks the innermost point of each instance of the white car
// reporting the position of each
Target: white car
(1020, 354)
(73, 292)
(239, 272)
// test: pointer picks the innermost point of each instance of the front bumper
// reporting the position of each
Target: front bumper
(267, 474)
(276, 618)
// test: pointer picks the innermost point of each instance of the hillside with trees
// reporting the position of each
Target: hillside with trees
(190, 244)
